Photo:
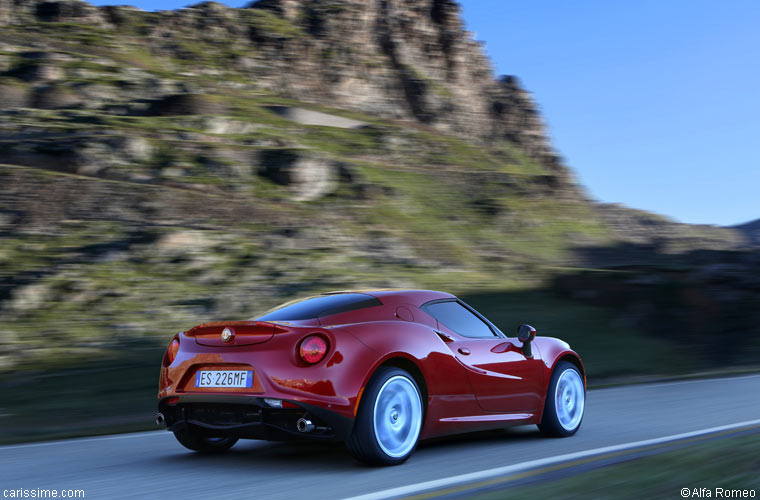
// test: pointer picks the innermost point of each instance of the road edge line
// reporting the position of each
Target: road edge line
(105, 437)
(543, 462)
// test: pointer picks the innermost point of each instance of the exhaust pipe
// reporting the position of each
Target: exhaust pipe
(160, 420)
(304, 425)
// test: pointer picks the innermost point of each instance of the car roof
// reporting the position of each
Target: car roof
(400, 296)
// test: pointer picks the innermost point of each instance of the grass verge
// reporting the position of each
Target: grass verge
(730, 464)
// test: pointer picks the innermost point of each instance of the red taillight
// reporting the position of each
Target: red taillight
(313, 349)
(171, 351)
(172, 400)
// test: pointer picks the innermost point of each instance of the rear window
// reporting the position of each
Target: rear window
(323, 305)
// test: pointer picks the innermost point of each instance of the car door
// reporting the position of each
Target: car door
(503, 379)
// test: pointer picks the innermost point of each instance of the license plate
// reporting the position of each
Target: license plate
(226, 378)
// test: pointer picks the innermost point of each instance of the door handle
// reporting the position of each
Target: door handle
(464, 350)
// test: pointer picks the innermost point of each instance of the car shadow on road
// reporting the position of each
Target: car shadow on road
(315, 456)
(485, 438)
(271, 455)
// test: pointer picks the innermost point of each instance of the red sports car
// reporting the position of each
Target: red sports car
(379, 370)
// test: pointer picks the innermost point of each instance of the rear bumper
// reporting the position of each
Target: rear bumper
(249, 417)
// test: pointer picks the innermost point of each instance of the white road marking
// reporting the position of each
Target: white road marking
(533, 464)
(83, 440)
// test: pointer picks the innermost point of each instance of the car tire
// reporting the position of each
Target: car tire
(194, 440)
(389, 420)
(565, 401)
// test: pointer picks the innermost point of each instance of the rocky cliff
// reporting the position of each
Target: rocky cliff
(406, 60)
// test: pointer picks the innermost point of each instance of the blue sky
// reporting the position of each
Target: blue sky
(654, 104)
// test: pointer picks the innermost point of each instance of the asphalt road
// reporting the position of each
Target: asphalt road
(154, 465)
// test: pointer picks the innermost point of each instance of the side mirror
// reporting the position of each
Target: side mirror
(526, 334)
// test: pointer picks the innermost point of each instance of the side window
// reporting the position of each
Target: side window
(458, 318)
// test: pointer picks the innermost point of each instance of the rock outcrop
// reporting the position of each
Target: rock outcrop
(400, 59)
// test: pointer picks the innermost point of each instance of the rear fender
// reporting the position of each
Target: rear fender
(444, 382)
(419, 344)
